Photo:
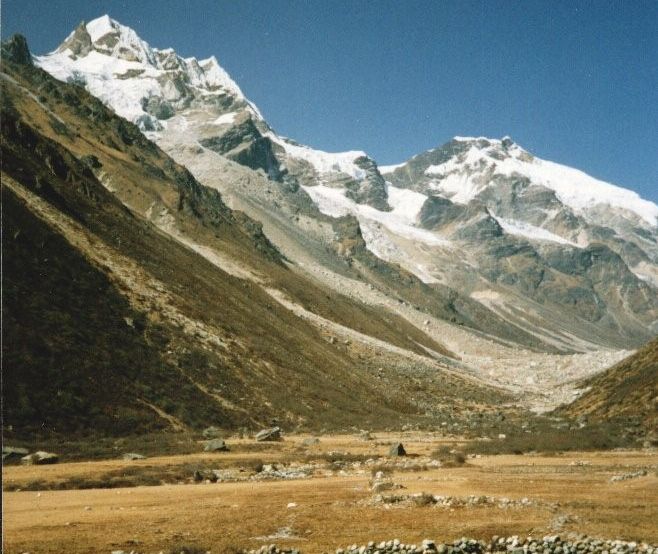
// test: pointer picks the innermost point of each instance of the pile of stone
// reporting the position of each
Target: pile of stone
(425, 499)
(575, 544)
(216, 476)
(272, 549)
(10, 453)
(204, 475)
(269, 472)
(133, 456)
(293, 471)
(402, 463)
(381, 485)
(627, 476)
(40, 458)
(215, 445)
(272, 434)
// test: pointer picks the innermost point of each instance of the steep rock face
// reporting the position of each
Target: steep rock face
(244, 144)
(15, 50)
(412, 173)
(78, 43)
(371, 189)
(438, 212)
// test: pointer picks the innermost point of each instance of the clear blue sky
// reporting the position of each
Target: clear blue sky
(574, 82)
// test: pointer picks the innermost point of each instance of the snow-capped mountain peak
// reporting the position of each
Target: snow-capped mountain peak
(103, 25)
(143, 84)
(107, 36)
(466, 167)
(119, 41)
(151, 86)
(217, 76)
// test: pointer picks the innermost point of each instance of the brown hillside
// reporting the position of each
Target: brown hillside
(628, 389)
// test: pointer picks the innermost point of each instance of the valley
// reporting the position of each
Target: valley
(459, 345)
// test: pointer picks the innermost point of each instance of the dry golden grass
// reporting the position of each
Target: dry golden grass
(330, 512)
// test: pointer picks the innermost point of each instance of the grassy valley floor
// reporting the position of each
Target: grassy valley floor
(318, 497)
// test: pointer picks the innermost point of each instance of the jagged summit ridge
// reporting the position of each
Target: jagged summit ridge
(107, 36)
(143, 84)
(465, 167)
(149, 86)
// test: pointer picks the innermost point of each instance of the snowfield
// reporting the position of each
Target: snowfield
(523, 229)
(324, 162)
(381, 229)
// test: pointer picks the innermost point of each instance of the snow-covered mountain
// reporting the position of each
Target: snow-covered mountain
(476, 164)
(534, 199)
(143, 84)
(547, 247)
(150, 86)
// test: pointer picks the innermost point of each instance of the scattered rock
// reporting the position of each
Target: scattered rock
(272, 471)
(212, 432)
(397, 450)
(311, 441)
(40, 458)
(449, 502)
(381, 486)
(13, 453)
(272, 434)
(559, 521)
(428, 545)
(215, 445)
(133, 456)
(552, 544)
(200, 476)
(627, 476)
